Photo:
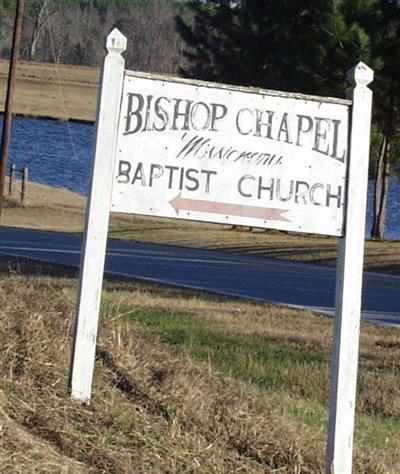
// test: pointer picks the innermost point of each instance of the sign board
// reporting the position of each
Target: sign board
(206, 152)
(216, 153)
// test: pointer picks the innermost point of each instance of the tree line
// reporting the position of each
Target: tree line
(290, 45)
(73, 31)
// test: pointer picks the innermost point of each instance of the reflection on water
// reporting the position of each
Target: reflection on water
(392, 228)
(59, 153)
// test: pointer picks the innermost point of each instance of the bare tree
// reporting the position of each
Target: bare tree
(73, 32)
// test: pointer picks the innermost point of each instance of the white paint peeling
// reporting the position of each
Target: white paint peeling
(349, 282)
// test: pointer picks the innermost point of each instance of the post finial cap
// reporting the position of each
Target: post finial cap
(360, 75)
(116, 42)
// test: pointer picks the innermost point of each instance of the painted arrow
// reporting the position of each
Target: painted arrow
(198, 205)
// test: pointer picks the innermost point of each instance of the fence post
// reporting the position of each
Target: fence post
(13, 171)
(24, 184)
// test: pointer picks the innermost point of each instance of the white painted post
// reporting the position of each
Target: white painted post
(97, 218)
(349, 281)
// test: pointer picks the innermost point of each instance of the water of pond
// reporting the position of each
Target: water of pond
(59, 153)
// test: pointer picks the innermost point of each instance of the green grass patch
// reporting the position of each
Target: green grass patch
(292, 379)
(280, 357)
(258, 360)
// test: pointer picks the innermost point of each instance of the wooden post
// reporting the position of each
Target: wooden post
(97, 217)
(349, 281)
(24, 184)
(7, 118)
(13, 172)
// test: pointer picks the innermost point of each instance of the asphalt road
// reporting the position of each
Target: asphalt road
(277, 281)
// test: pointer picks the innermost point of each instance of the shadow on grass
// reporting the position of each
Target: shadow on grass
(27, 267)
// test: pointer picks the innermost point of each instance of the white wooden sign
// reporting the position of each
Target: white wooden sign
(231, 155)
(194, 150)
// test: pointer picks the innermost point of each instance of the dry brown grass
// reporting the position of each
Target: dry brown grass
(156, 407)
(151, 411)
(46, 208)
(54, 91)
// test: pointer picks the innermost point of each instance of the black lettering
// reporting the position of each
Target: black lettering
(253, 156)
(185, 114)
(182, 174)
(194, 113)
(139, 174)
(336, 124)
(284, 128)
(171, 170)
(156, 171)
(146, 127)
(260, 123)
(134, 113)
(232, 152)
(205, 150)
(262, 158)
(208, 174)
(217, 116)
(279, 193)
(227, 153)
(330, 196)
(240, 182)
(216, 154)
(301, 194)
(124, 168)
(193, 179)
(244, 155)
(238, 126)
(161, 113)
(194, 145)
(300, 127)
(319, 134)
(270, 160)
(269, 188)
(312, 193)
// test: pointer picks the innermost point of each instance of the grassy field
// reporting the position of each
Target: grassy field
(184, 382)
(53, 91)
